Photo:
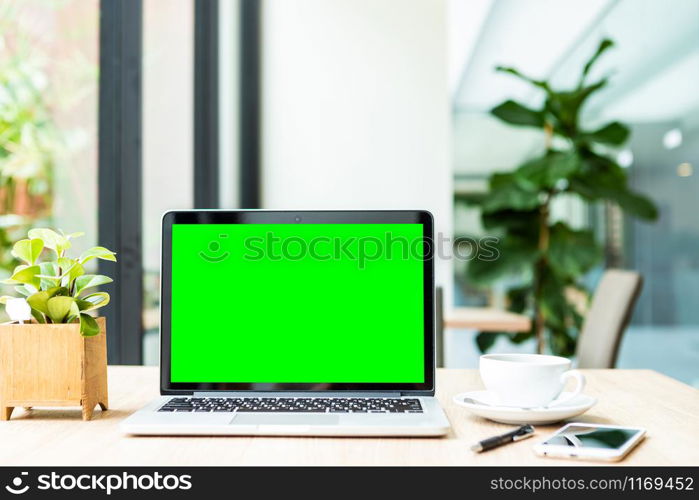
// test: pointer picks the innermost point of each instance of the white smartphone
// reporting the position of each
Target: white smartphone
(591, 442)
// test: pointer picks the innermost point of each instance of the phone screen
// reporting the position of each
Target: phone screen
(582, 436)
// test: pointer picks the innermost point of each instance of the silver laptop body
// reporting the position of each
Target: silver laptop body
(238, 406)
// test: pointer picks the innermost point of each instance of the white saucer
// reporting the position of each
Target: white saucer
(512, 415)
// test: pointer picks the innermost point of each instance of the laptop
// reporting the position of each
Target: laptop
(296, 323)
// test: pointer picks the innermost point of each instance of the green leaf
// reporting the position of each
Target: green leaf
(39, 301)
(49, 275)
(603, 46)
(512, 71)
(74, 312)
(97, 253)
(38, 316)
(28, 250)
(49, 269)
(89, 281)
(88, 325)
(26, 275)
(613, 133)
(572, 253)
(486, 340)
(95, 300)
(59, 307)
(636, 204)
(26, 290)
(518, 114)
(566, 106)
(514, 256)
(506, 193)
(51, 239)
(548, 170)
(601, 178)
(518, 298)
(517, 222)
(520, 338)
(70, 270)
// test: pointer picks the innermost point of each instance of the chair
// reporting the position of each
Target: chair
(608, 317)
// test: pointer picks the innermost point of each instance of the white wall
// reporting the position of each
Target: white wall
(356, 107)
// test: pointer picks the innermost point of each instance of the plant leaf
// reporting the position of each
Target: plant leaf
(97, 253)
(546, 171)
(39, 301)
(613, 133)
(88, 325)
(95, 300)
(506, 193)
(572, 252)
(89, 281)
(603, 46)
(51, 239)
(27, 275)
(26, 290)
(70, 269)
(635, 204)
(486, 340)
(515, 72)
(513, 256)
(518, 114)
(38, 316)
(59, 307)
(28, 250)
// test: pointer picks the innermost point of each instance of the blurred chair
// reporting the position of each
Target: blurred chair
(607, 318)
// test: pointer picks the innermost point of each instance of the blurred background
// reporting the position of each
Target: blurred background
(113, 112)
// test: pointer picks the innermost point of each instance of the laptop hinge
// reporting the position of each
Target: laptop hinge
(291, 394)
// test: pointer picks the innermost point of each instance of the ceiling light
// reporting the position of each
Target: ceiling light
(625, 158)
(685, 169)
(672, 138)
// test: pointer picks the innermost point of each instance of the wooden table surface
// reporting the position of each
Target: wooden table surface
(668, 409)
(486, 319)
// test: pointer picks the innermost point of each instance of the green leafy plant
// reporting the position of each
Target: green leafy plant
(550, 258)
(56, 288)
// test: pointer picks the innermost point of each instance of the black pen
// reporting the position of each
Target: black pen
(516, 435)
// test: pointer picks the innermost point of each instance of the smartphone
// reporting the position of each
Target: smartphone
(590, 442)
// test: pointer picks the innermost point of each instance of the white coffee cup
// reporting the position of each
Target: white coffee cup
(528, 380)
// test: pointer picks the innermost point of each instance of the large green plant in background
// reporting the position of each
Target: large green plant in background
(30, 142)
(548, 257)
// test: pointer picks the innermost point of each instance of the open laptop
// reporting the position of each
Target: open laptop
(296, 323)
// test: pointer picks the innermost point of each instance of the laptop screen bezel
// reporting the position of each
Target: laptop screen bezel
(167, 387)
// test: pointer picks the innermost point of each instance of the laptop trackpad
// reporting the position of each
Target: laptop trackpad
(285, 419)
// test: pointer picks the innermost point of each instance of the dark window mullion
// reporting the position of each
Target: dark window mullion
(250, 107)
(120, 194)
(206, 104)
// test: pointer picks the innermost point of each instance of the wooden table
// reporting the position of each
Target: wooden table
(486, 319)
(475, 320)
(667, 408)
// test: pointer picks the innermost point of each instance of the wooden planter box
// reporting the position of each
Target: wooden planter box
(52, 365)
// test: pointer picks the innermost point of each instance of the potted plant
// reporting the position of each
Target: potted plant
(54, 351)
(550, 256)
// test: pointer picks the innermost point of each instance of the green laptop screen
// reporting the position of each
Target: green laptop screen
(297, 303)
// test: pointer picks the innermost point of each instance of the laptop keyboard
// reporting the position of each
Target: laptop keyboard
(293, 405)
